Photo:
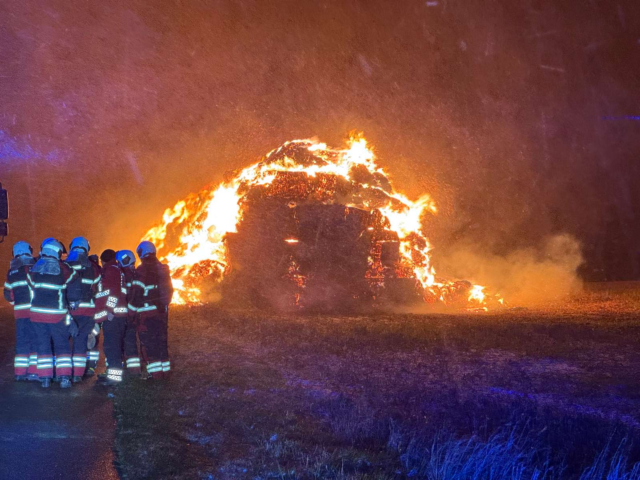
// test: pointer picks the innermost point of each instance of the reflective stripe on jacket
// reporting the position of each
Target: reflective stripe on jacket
(16, 287)
(89, 274)
(52, 293)
(152, 287)
(111, 296)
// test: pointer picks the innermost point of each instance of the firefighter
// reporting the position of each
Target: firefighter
(112, 313)
(127, 262)
(93, 341)
(55, 288)
(78, 260)
(16, 291)
(152, 292)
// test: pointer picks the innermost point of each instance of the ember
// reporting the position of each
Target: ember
(307, 227)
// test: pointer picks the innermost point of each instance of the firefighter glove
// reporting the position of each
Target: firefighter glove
(73, 328)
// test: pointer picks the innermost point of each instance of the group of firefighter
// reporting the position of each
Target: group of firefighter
(62, 303)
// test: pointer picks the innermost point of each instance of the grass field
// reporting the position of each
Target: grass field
(550, 393)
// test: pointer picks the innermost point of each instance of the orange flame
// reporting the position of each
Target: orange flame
(201, 221)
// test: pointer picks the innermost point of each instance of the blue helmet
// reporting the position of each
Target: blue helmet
(22, 248)
(51, 239)
(80, 242)
(45, 241)
(52, 248)
(145, 248)
(126, 258)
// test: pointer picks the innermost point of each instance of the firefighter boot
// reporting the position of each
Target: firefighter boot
(33, 377)
(21, 378)
(65, 382)
(45, 382)
(77, 379)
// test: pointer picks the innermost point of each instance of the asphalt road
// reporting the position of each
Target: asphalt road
(52, 434)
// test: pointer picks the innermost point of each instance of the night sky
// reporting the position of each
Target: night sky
(521, 118)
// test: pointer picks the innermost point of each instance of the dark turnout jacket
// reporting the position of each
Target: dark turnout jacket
(112, 293)
(16, 287)
(89, 274)
(152, 287)
(54, 285)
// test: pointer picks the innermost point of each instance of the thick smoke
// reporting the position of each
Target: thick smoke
(531, 276)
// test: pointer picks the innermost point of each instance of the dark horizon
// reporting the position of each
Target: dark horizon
(521, 120)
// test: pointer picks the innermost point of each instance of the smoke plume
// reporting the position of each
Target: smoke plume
(525, 277)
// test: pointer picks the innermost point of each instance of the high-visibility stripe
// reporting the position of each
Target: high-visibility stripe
(87, 305)
(100, 315)
(154, 367)
(133, 362)
(147, 308)
(103, 293)
(71, 277)
(87, 281)
(114, 374)
(7, 285)
(47, 310)
(98, 278)
(132, 308)
(22, 307)
(120, 310)
(49, 286)
(21, 361)
(19, 283)
(96, 330)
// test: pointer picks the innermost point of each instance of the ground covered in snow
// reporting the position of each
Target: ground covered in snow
(550, 393)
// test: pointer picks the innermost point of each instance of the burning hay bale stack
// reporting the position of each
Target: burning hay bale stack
(307, 227)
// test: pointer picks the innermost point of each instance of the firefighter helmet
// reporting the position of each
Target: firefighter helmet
(52, 248)
(45, 241)
(145, 248)
(51, 239)
(22, 248)
(80, 242)
(126, 258)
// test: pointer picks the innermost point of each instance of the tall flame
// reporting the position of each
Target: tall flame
(202, 220)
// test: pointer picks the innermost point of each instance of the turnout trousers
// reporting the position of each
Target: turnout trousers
(113, 344)
(85, 325)
(58, 334)
(26, 359)
(93, 355)
(131, 346)
(153, 333)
